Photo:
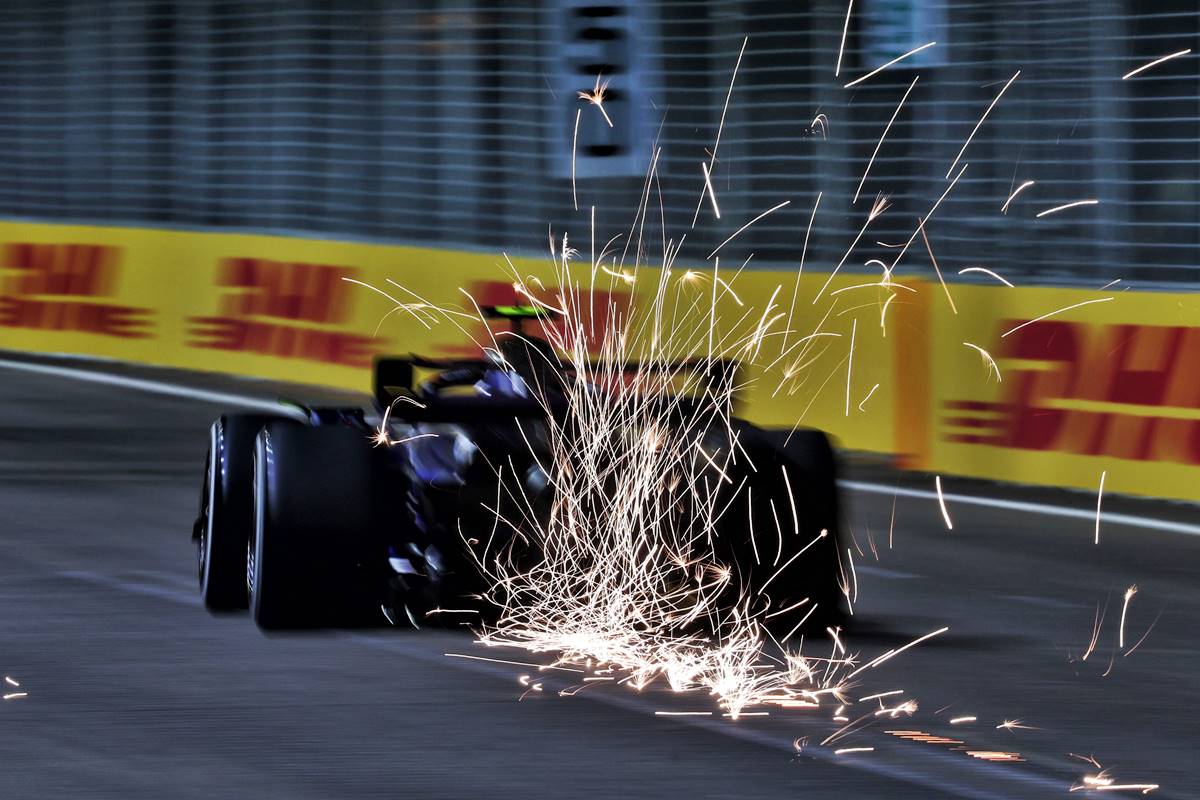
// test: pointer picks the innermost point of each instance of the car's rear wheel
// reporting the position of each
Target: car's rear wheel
(226, 510)
(791, 485)
(309, 561)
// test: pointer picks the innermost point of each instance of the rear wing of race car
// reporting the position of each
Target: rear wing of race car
(395, 378)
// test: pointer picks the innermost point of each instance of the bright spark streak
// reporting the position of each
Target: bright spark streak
(1014, 724)
(981, 119)
(987, 359)
(868, 397)
(792, 607)
(938, 270)
(1011, 197)
(1065, 206)
(850, 364)
(1129, 593)
(517, 663)
(837, 70)
(937, 480)
(1055, 313)
(799, 272)
(574, 142)
(596, 97)
(883, 313)
(738, 232)
(985, 271)
(879, 695)
(892, 525)
(961, 720)
(846, 750)
(1099, 498)
(1154, 63)
(895, 60)
(15, 695)
(1138, 643)
(788, 563)
(10, 681)
(708, 187)
(1110, 283)
(712, 159)
(890, 654)
(895, 114)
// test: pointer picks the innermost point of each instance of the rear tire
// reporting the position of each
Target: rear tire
(817, 574)
(309, 562)
(226, 511)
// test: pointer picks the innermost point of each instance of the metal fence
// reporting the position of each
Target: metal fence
(453, 123)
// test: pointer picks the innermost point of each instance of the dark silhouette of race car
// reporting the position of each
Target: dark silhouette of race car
(318, 517)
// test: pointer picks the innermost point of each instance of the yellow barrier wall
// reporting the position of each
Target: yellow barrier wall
(1108, 386)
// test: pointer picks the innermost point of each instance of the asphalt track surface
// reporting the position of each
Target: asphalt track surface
(134, 691)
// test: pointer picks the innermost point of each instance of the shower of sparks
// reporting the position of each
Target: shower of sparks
(627, 586)
(708, 188)
(1154, 63)
(975, 130)
(986, 271)
(1129, 593)
(879, 144)
(987, 360)
(596, 97)
(895, 60)
(1055, 314)
(937, 481)
(712, 157)
(1065, 206)
(1099, 499)
(634, 582)
(837, 70)
(1013, 196)
(738, 232)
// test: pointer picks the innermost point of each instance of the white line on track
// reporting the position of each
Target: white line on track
(1132, 521)
(151, 386)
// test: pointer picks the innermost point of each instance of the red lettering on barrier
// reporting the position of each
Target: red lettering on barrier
(270, 308)
(54, 287)
(1135, 366)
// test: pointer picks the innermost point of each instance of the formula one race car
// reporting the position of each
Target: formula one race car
(322, 517)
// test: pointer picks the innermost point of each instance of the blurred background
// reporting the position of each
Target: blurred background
(186, 186)
(450, 123)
